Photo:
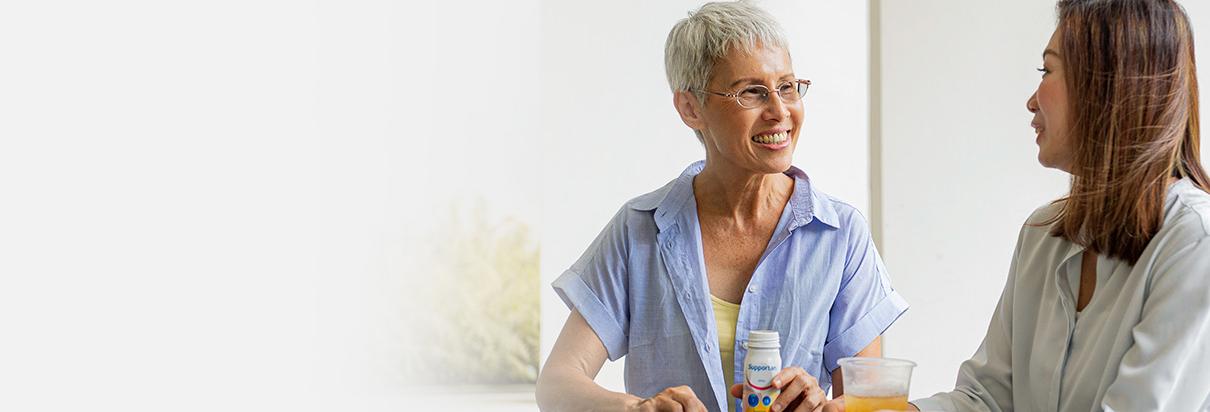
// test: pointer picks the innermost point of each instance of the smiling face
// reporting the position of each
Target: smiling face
(1050, 107)
(760, 140)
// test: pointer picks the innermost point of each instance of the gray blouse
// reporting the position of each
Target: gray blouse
(1141, 344)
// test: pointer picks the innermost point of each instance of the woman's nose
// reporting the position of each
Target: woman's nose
(776, 108)
(1032, 103)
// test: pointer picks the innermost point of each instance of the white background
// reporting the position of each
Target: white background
(224, 205)
(959, 167)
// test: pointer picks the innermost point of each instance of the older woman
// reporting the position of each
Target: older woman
(1107, 305)
(742, 241)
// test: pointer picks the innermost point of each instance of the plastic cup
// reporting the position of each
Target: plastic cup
(874, 384)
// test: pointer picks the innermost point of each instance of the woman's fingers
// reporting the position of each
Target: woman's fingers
(814, 400)
(836, 405)
(791, 392)
(678, 399)
(798, 389)
(689, 401)
(785, 375)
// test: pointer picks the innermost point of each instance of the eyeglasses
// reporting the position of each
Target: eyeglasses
(757, 95)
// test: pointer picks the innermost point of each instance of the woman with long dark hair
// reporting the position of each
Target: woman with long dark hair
(1107, 304)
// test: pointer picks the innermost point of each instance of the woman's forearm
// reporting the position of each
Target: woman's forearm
(568, 390)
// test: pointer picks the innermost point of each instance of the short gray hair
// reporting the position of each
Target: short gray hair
(697, 42)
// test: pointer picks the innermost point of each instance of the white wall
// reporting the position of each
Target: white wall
(609, 131)
(225, 205)
(158, 205)
(1199, 16)
(959, 165)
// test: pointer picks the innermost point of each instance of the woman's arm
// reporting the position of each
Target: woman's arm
(874, 350)
(566, 382)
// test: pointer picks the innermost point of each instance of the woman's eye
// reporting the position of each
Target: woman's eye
(753, 92)
(1044, 70)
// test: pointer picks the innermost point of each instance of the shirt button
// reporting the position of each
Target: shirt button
(706, 347)
(752, 289)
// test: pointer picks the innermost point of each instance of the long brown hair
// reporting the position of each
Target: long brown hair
(1132, 86)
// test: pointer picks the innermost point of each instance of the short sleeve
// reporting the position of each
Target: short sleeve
(596, 286)
(865, 305)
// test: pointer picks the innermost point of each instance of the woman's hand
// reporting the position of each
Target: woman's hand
(800, 392)
(674, 399)
(836, 405)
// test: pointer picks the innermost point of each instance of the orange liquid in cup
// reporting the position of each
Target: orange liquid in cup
(873, 384)
(857, 403)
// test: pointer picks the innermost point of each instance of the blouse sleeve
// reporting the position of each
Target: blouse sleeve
(865, 305)
(596, 286)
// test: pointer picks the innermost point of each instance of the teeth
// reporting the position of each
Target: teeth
(772, 138)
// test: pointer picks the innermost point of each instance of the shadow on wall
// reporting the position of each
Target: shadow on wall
(479, 324)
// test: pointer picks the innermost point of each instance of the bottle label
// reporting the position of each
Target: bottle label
(759, 392)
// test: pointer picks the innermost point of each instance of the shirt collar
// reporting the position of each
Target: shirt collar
(669, 202)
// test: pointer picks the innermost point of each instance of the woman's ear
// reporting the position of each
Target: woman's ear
(689, 108)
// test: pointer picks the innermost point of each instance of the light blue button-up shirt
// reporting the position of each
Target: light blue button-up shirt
(642, 287)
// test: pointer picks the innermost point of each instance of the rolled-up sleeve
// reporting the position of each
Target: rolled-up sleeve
(596, 286)
(1175, 324)
(865, 305)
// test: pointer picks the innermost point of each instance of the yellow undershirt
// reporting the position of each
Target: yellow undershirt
(726, 314)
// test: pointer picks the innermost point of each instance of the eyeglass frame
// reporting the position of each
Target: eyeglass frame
(735, 96)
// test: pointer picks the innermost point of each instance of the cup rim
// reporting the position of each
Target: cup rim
(870, 361)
